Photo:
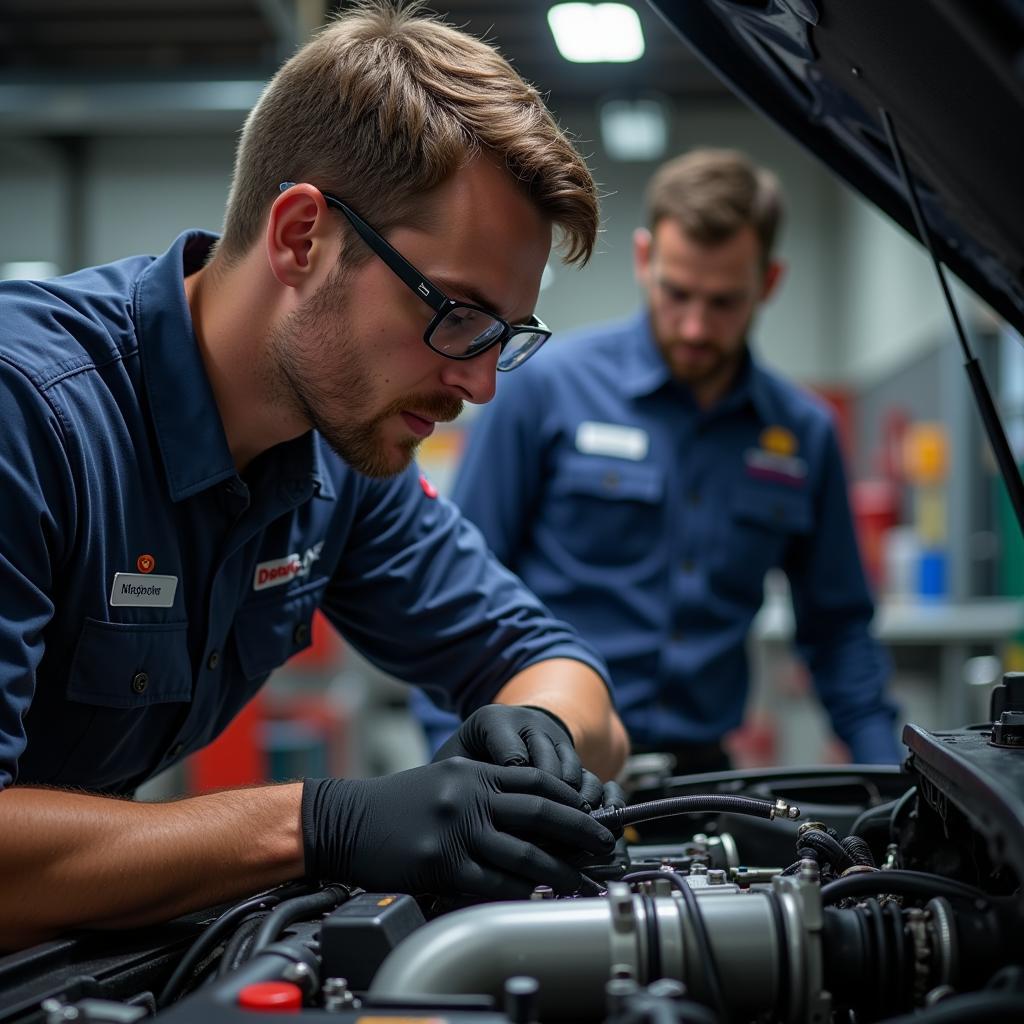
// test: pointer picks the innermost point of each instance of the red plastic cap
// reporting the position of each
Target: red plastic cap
(271, 995)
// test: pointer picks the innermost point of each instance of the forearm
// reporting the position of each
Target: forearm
(74, 860)
(577, 695)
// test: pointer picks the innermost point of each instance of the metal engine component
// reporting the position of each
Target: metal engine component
(772, 939)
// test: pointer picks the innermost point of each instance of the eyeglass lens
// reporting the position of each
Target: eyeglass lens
(519, 348)
(464, 331)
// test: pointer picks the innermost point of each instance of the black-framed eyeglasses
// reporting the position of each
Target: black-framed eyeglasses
(458, 330)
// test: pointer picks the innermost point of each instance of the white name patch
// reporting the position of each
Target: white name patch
(613, 439)
(139, 590)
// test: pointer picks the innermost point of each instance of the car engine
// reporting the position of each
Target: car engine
(805, 896)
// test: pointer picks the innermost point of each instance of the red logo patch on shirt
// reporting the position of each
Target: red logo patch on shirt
(428, 488)
(145, 563)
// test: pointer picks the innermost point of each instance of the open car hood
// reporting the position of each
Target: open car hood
(949, 72)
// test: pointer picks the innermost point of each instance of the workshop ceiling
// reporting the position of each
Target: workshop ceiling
(172, 40)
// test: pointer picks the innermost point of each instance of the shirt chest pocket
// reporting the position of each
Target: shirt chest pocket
(128, 665)
(607, 511)
(125, 691)
(764, 520)
(270, 631)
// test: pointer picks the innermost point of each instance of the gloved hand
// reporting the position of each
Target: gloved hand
(514, 734)
(457, 826)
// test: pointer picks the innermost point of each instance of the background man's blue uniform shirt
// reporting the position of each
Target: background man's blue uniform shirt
(659, 555)
(112, 448)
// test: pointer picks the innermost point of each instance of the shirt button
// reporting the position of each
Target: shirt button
(611, 480)
(694, 497)
(139, 682)
(213, 660)
(677, 636)
(687, 565)
(301, 634)
(175, 751)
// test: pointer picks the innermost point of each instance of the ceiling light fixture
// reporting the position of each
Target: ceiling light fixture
(634, 129)
(595, 33)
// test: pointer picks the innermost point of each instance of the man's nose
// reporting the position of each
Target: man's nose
(476, 378)
(693, 320)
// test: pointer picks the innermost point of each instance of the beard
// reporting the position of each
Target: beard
(315, 369)
(714, 363)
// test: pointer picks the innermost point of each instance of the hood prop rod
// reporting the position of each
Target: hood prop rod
(982, 396)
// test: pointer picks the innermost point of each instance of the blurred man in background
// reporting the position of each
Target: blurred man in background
(643, 476)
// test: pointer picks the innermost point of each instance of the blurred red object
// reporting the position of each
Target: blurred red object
(326, 650)
(235, 757)
(754, 744)
(876, 510)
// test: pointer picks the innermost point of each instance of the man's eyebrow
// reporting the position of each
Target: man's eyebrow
(466, 291)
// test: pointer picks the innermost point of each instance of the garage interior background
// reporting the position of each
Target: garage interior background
(118, 122)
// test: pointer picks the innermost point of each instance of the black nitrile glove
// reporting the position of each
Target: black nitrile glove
(457, 826)
(514, 734)
(612, 795)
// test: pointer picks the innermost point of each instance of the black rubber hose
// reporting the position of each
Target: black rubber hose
(883, 961)
(313, 905)
(802, 853)
(827, 849)
(873, 817)
(700, 930)
(898, 883)
(615, 819)
(859, 850)
(237, 950)
(972, 1008)
(214, 932)
(898, 808)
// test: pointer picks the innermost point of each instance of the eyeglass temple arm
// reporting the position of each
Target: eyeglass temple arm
(432, 296)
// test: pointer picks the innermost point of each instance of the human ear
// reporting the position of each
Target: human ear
(642, 244)
(773, 275)
(301, 240)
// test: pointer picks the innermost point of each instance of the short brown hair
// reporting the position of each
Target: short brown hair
(712, 193)
(387, 102)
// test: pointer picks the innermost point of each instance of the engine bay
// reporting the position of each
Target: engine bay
(824, 895)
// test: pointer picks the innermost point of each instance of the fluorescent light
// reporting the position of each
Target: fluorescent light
(28, 270)
(592, 33)
(635, 129)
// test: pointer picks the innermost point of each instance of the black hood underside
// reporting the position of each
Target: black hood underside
(949, 72)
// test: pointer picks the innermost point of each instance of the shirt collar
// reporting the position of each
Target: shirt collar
(188, 426)
(644, 370)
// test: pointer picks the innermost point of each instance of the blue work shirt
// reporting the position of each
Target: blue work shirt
(650, 524)
(147, 589)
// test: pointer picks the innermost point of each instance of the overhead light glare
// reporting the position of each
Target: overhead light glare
(634, 129)
(20, 270)
(596, 33)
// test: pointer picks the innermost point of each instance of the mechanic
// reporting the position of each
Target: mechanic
(202, 448)
(643, 476)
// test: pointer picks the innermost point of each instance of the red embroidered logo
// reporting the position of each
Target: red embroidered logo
(145, 563)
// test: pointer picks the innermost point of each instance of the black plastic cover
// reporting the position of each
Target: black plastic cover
(355, 938)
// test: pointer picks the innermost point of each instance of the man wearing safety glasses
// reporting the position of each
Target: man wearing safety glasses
(203, 448)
